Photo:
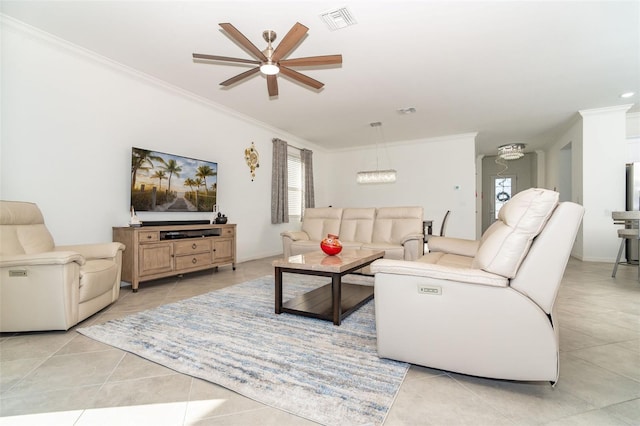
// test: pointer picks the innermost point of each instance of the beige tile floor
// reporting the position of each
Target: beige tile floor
(64, 378)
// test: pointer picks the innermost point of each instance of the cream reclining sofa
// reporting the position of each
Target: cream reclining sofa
(395, 230)
(483, 308)
(44, 287)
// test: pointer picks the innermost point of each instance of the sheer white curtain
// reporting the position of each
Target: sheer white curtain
(279, 183)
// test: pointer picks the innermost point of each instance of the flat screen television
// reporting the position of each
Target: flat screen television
(162, 182)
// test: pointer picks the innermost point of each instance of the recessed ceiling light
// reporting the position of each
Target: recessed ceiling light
(627, 94)
(408, 110)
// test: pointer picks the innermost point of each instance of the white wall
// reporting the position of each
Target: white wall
(633, 125)
(70, 118)
(438, 174)
(633, 137)
(556, 162)
(604, 155)
(598, 157)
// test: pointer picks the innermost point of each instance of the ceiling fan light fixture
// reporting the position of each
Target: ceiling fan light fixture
(511, 151)
(268, 61)
(269, 68)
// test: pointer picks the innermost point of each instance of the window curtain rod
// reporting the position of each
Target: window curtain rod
(292, 146)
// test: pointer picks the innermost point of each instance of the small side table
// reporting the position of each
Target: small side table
(427, 229)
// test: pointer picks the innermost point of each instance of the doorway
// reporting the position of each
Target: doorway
(565, 173)
(503, 189)
(509, 177)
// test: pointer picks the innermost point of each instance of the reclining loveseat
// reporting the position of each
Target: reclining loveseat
(395, 230)
(483, 308)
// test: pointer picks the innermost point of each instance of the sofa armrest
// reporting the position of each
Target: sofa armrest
(413, 247)
(441, 272)
(458, 246)
(295, 235)
(94, 251)
(45, 258)
(411, 237)
(289, 237)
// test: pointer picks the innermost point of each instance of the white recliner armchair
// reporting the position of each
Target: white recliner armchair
(44, 287)
(483, 308)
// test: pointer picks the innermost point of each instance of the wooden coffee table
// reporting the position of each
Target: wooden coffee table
(334, 301)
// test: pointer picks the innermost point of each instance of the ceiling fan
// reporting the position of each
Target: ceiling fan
(270, 61)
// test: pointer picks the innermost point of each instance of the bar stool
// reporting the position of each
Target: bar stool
(630, 220)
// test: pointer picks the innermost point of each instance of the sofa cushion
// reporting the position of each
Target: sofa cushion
(447, 259)
(318, 222)
(96, 278)
(393, 224)
(25, 239)
(357, 225)
(20, 213)
(304, 246)
(436, 271)
(351, 245)
(35, 238)
(391, 251)
(23, 229)
(507, 241)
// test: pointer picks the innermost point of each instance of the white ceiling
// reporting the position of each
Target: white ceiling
(509, 70)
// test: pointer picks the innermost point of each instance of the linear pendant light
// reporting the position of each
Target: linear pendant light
(376, 176)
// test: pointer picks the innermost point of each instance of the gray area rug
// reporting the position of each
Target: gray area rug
(307, 367)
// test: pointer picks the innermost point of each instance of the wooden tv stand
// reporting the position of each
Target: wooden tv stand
(154, 252)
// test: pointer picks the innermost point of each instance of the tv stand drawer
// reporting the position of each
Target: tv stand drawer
(192, 246)
(193, 261)
(149, 236)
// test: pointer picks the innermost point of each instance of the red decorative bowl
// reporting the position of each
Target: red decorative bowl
(331, 245)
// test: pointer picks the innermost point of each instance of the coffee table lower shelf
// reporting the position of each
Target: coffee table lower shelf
(318, 303)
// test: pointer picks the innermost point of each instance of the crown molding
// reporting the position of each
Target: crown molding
(8, 23)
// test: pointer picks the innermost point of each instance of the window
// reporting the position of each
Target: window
(503, 190)
(294, 182)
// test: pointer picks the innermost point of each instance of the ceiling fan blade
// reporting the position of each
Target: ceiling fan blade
(224, 58)
(272, 85)
(301, 77)
(239, 77)
(312, 60)
(245, 42)
(289, 41)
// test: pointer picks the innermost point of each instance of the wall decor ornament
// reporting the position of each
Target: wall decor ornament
(253, 159)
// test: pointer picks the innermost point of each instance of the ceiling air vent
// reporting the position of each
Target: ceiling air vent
(338, 18)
